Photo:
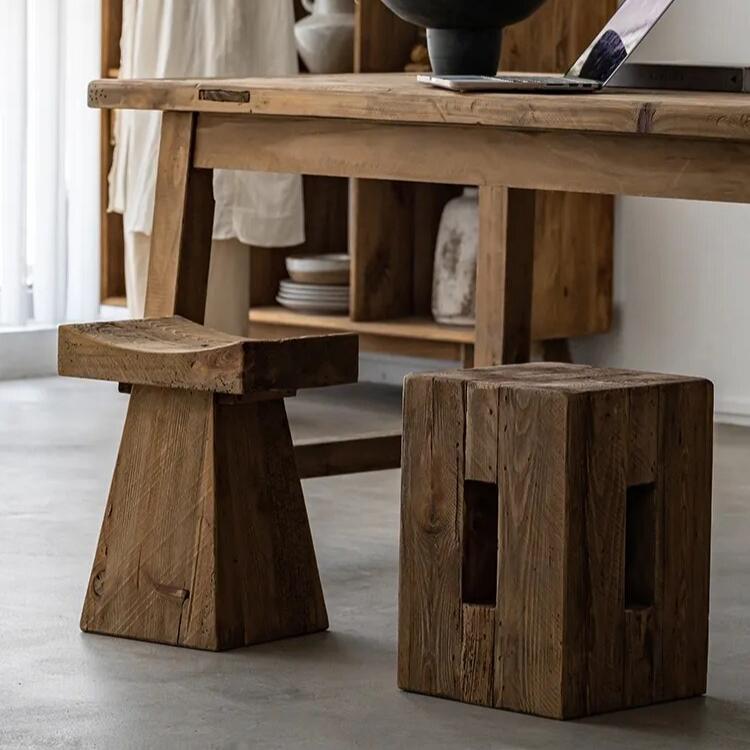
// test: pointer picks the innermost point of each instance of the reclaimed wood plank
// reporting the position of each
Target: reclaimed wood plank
(183, 225)
(430, 610)
(325, 458)
(597, 453)
(481, 530)
(557, 160)
(529, 628)
(382, 266)
(177, 353)
(267, 584)
(394, 97)
(686, 440)
(505, 269)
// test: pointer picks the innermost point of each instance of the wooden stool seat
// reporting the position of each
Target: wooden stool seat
(177, 353)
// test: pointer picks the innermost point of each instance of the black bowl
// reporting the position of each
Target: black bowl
(464, 36)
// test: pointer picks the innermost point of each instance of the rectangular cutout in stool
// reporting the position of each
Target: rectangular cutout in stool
(479, 569)
(640, 546)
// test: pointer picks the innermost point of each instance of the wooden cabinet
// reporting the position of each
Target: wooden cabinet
(390, 228)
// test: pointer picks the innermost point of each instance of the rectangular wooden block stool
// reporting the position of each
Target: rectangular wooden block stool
(205, 541)
(555, 538)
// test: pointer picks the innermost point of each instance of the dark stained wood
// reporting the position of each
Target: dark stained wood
(267, 585)
(686, 443)
(604, 487)
(642, 652)
(382, 235)
(430, 609)
(643, 551)
(325, 458)
(481, 432)
(529, 629)
(478, 635)
(597, 452)
(553, 350)
(643, 436)
(504, 276)
(177, 353)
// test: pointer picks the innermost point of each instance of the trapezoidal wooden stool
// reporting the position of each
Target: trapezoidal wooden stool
(555, 538)
(205, 541)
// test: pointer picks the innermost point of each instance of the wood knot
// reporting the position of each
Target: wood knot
(97, 582)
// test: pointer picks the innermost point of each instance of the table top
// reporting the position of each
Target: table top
(398, 97)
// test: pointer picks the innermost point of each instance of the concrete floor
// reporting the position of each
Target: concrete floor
(60, 688)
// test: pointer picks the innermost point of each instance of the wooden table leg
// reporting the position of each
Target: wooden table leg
(504, 276)
(183, 225)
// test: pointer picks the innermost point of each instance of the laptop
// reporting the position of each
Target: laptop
(591, 72)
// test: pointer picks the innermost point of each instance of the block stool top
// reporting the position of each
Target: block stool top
(555, 537)
(177, 353)
(562, 378)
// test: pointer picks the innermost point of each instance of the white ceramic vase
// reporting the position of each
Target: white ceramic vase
(325, 39)
(455, 279)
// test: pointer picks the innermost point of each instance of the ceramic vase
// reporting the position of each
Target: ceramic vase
(325, 38)
(455, 275)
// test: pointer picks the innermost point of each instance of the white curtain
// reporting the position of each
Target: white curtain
(49, 152)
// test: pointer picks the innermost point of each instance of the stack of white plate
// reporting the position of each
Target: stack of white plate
(318, 284)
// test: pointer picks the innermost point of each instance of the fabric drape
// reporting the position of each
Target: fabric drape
(206, 38)
(49, 162)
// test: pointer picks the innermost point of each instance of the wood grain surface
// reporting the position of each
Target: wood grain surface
(195, 545)
(397, 97)
(382, 232)
(325, 458)
(430, 608)
(177, 353)
(603, 483)
(183, 225)
(505, 269)
(554, 159)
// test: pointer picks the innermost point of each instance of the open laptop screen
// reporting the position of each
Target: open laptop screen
(619, 39)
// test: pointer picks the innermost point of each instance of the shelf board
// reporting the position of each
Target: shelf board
(414, 336)
(115, 301)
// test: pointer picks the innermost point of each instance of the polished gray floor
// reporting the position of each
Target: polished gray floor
(60, 688)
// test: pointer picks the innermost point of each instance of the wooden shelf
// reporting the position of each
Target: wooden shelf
(412, 336)
(117, 301)
(390, 228)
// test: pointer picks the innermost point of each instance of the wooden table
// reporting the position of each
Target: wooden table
(378, 127)
(669, 145)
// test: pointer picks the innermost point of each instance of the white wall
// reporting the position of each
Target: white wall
(682, 269)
